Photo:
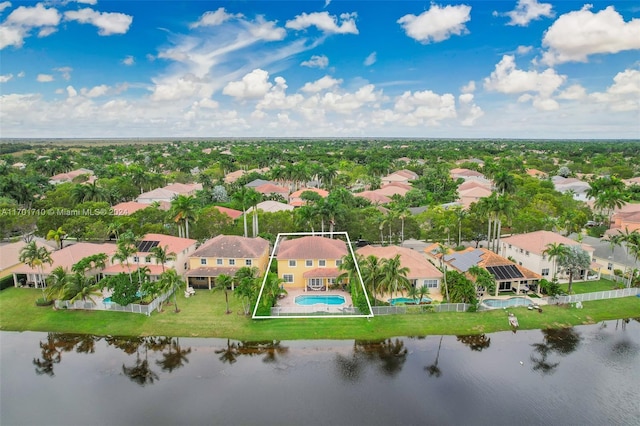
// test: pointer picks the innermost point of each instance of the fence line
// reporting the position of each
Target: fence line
(281, 311)
(418, 309)
(598, 295)
(111, 306)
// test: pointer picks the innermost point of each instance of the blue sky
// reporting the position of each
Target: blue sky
(474, 69)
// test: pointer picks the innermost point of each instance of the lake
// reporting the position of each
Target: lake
(587, 375)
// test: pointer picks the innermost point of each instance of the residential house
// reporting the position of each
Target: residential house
(296, 200)
(232, 213)
(180, 248)
(373, 196)
(403, 176)
(390, 190)
(466, 174)
(10, 256)
(310, 263)
(577, 187)
(130, 207)
(70, 176)
(626, 217)
(528, 250)
(269, 189)
(226, 254)
(611, 257)
(67, 257)
(422, 273)
(257, 182)
(271, 206)
(169, 192)
(537, 173)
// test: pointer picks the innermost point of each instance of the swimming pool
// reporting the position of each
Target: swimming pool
(507, 303)
(316, 299)
(106, 300)
(406, 300)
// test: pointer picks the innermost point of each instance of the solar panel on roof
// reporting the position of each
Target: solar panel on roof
(146, 246)
(505, 272)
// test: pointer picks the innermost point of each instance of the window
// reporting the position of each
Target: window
(610, 266)
(288, 278)
(315, 283)
(308, 263)
(430, 283)
(521, 251)
(232, 262)
(413, 282)
(338, 262)
(509, 245)
(331, 281)
(544, 256)
(545, 272)
(218, 261)
(527, 253)
(322, 263)
(504, 286)
(247, 262)
(147, 259)
(136, 259)
(203, 260)
(292, 263)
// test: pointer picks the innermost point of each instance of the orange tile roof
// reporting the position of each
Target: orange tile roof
(536, 242)
(419, 266)
(312, 247)
(232, 246)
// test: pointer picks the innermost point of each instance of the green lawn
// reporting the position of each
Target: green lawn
(204, 316)
(590, 286)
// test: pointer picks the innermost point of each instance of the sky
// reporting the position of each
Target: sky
(413, 69)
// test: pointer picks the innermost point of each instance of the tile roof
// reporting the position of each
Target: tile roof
(312, 247)
(419, 266)
(233, 214)
(233, 247)
(273, 206)
(374, 197)
(536, 242)
(69, 256)
(318, 191)
(212, 271)
(270, 188)
(322, 273)
(128, 207)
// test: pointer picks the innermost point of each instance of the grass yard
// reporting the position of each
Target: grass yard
(204, 315)
(590, 286)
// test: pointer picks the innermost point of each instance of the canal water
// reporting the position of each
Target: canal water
(587, 375)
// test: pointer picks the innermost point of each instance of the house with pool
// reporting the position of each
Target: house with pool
(528, 251)
(226, 254)
(310, 263)
(422, 273)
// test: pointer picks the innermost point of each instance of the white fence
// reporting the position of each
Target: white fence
(282, 311)
(110, 306)
(418, 309)
(598, 295)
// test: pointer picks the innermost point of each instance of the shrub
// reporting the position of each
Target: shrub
(6, 282)
(43, 302)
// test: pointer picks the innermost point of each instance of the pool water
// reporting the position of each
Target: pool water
(106, 300)
(406, 300)
(507, 303)
(316, 299)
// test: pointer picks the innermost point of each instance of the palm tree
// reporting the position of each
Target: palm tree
(350, 269)
(242, 196)
(245, 280)
(173, 283)
(58, 235)
(56, 282)
(183, 208)
(223, 282)
(483, 279)
(504, 182)
(372, 275)
(555, 251)
(253, 198)
(162, 255)
(460, 215)
(81, 287)
(442, 250)
(433, 369)
(395, 275)
(125, 248)
(36, 257)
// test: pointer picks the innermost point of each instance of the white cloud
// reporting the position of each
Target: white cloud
(347, 103)
(266, 30)
(21, 74)
(468, 112)
(23, 19)
(44, 78)
(253, 85)
(71, 92)
(108, 23)
(527, 11)
(371, 59)
(6, 77)
(523, 50)
(180, 87)
(574, 92)
(327, 3)
(94, 92)
(436, 24)
(316, 61)
(4, 5)
(212, 19)
(65, 72)
(277, 98)
(576, 35)
(129, 60)
(469, 87)
(425, 107)
(623, 94)
(324, 83)
(506, 78)
(325, 22)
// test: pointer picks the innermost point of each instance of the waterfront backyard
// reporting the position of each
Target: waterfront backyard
(203, 315)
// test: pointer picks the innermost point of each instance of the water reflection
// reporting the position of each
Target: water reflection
(475, 342)
(173, 356)
(433, 369)
(388, 356)
(562, 341)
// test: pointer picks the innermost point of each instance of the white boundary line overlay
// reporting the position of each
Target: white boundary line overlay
(314, 234)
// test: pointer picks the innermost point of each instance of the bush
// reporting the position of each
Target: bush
(6, 282)
(43, 302)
